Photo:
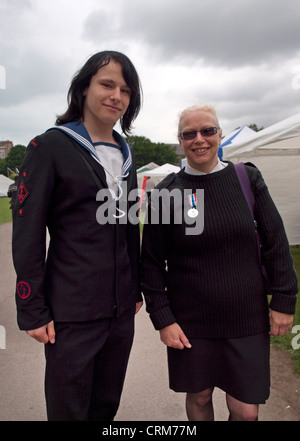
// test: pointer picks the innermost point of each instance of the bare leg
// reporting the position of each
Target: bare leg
(199, 406)
(240, 411)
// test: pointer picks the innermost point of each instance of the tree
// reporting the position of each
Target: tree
(15, 157)
(146, 151)
(2, 167)
(254, 127)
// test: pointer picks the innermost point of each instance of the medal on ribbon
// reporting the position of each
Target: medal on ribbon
(193, 212)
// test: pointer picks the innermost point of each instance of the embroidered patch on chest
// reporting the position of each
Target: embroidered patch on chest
(22, 192)
(23, 290)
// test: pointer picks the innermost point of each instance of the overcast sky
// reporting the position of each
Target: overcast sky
(243, 56)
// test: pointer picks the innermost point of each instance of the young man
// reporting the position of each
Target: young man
(80, 301)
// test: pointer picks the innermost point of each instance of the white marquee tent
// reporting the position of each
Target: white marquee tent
(238, 135)
(4, 184)
(155, 175)
(280, 139)
(276, 152)
(148, 179)
(141, 172)
(163, 170)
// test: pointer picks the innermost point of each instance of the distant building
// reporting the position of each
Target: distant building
(179, 152)
(5, 147)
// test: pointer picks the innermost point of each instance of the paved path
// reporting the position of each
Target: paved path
(146, 395)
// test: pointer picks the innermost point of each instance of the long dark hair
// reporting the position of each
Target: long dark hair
(82, 80)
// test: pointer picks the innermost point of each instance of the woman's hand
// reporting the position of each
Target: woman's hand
(280, 323)
(174, 337)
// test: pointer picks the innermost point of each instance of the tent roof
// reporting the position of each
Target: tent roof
(277, 139)
(4, 184)
(147, 167)
(163, 170)
(155, 175)
(238, 135)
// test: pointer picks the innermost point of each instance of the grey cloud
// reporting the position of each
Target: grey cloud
(258, 94)
(11, 6)
(99, 26)
(244, 52)
(30, 70)
(229, 33)
(31, 74)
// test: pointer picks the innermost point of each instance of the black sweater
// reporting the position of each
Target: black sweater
(211, 283)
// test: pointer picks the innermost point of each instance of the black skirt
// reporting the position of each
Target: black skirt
(238, 366)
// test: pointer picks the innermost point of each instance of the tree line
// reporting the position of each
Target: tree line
(143, 149)
(146, 151)
(13, 161)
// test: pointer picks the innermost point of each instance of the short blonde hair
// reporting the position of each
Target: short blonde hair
(205, 107)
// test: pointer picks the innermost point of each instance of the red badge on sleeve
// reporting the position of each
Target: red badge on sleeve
(23, 290)
(22, 192)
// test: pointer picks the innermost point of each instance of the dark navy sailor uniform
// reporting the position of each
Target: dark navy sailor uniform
(90, 273)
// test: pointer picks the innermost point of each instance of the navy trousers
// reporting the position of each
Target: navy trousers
(86, 367)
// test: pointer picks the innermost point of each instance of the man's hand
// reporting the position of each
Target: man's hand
(44, 334)
(280, 323)
(138, 306)
(174, 337)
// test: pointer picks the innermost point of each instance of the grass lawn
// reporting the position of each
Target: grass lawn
(285, 342)
(5, 211)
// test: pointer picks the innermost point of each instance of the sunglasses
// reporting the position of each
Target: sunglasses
(209, 131)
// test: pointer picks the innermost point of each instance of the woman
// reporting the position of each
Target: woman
(205, 293)
(81, 302)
